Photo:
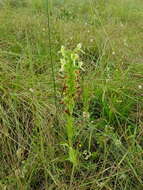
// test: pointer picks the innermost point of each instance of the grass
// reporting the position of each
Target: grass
(104, 151)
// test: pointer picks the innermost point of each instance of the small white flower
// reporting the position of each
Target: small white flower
(113, 53)
(86, 115)
(87, 154)
(121, 25)
(31, 90)
(140, 86)
(125, 42)
(118, 142)
(91, 40)
(79, 46)
(107, 80)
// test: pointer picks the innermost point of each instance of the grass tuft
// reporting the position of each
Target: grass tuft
(92, 137)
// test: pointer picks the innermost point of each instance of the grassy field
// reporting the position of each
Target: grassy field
(71, 95)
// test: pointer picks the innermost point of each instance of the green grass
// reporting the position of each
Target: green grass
(107, 116)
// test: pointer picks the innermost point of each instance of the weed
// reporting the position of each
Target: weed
(70, 70)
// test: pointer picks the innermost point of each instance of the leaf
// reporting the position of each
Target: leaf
(73, 156)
